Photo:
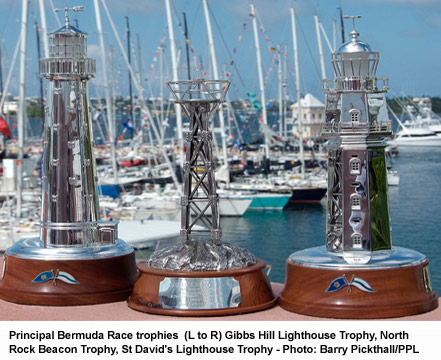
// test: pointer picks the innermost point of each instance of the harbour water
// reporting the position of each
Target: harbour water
(415, 211)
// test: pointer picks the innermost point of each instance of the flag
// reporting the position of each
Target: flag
(253, 100)
(44, 276)
(66, 277)
(337, 284)
(128, 125)
(361, 284)
(4, 128)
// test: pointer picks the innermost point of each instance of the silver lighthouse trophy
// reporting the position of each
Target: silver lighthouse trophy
(78, 258)
(358, 273)
(200, 276)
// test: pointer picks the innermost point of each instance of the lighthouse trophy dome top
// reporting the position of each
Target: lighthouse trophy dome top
(354, 45)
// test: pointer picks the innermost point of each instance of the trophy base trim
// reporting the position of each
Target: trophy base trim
(355, 292)
(255, 290)
(60, 282)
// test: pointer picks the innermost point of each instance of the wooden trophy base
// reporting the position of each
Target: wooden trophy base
(358, 292)
(201, 293)
(66, 281)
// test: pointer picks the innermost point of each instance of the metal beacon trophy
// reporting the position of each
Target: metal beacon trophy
(358, 274)
(78, 258)
(200, 276)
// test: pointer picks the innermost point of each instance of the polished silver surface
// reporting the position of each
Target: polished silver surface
(199, 293)
(355, 66)
(70, 215)
(198, 255)
(33, 248)
(200, 250)
(320, 257)
(357, 127)
(354, 45)
(200, 202)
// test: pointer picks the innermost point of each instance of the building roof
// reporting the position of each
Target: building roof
(309, 101)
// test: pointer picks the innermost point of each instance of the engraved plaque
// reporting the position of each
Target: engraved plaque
(199, 293)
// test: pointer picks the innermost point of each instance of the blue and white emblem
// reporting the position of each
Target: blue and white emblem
(54, 276)
(342, 281)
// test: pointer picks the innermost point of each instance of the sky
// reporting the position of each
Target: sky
(406, 33)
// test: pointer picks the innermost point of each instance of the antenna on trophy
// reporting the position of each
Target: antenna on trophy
(66, 10)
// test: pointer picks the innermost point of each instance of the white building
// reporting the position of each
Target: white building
(313, 114)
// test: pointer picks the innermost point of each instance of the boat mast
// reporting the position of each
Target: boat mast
(342, 26)
(231, 113)
(44, 29)
(161, 88)
(259, 71)
(334, 35)
(132, 117)
(37, 31)
(175, 78)
(21, 101)
(285, 68)
(109, 102)
(11, 70)
(138, 45)
(299, 97)
(216, 77)
(139, 70)
(320, 47)
(187, 43)
(279, 75)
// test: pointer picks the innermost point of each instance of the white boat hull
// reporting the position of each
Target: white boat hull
(419, 141)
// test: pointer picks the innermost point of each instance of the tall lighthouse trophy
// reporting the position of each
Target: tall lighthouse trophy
(358, 274)
(78, 259)
(201, 276)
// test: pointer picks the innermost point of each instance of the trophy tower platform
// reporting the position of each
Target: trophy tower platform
(358, 274)
(201, 276)
(78, 258)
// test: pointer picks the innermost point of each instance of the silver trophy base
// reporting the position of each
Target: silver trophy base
(358, 285)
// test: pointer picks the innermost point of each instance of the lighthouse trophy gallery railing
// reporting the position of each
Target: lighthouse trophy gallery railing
(78, 258)
(357, 274)
(201, 275)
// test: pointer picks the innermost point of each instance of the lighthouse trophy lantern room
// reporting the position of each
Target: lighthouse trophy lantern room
(78, 259)
(358, 274)
(200, 276)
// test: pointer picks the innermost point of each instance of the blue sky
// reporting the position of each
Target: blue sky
(407, 33)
